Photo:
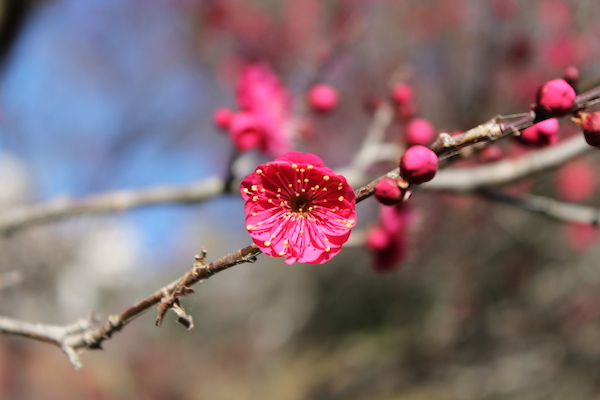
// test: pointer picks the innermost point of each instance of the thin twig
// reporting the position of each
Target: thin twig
(558, 210)
(82, 334)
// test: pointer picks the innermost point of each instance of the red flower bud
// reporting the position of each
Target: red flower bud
(402, 93)
(571, 75)
(323, 98)
(555, 98)
(576, 181)
(591, 128)
(388, 193)
(378, 238)
(419, 131)
(418, 164)
(222, 117)
(541, 134)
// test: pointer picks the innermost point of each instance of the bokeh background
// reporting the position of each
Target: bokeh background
(490, 302)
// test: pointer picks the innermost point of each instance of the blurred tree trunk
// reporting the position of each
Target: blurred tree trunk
(13, 14)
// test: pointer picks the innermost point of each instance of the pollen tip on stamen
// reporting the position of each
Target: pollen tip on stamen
(246, 190)
(299, 181)
(302, 170)
(302, 232)
(260, 171)
(254, 188)
(249, 227)
(255, 198)
(327, 248)
(309, 167)
(254, 214)
(270, 200)
(281, 253)
(286, 242)
(303, 190)
(294, 166)
(326, 177)
(290, 185)
(306, 180)
(326, 239)
(267, 243)
(324, 189)
(341, 198)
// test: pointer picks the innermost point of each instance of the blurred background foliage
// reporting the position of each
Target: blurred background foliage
(97, 95)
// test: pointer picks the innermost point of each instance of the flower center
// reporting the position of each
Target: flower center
(300, 204)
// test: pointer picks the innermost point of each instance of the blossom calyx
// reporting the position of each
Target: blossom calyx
(591, 128)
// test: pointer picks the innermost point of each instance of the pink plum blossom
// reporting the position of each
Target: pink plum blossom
(298, 208)
(261, 94)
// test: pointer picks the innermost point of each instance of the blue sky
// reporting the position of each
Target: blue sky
(104, 94)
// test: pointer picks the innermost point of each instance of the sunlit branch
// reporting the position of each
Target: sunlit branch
(110, 202)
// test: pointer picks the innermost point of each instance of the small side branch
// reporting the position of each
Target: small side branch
(558, 210)
(85, 334)
(54, 334)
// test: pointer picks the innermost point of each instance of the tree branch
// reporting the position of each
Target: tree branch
(61, 208)
(82, 335)
(558, 210)
(508, 171)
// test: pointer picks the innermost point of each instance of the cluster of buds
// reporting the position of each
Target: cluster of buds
(264, 120)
